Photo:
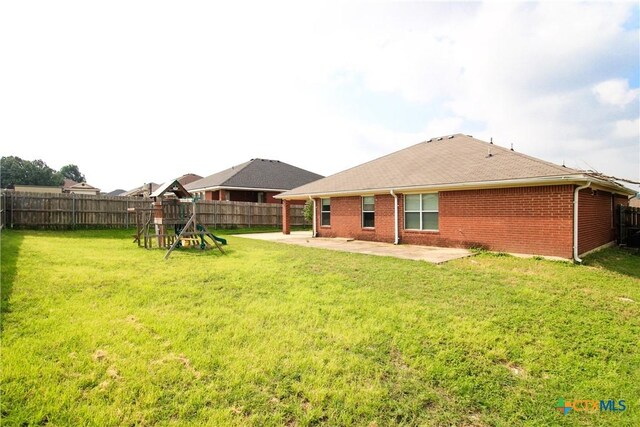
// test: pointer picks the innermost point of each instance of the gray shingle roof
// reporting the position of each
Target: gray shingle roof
(445, 161)
(138, 191)
(117, 192)
(188, 178)
(258, 174)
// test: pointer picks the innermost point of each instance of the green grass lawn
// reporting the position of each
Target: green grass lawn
(96, 331)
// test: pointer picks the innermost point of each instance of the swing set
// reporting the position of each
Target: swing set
(175, 222)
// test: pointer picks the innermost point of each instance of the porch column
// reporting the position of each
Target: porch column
(286, 217)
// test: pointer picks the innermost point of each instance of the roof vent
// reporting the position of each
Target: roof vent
(440, 139)
(512, 146)
(563, 165)
(470, 136)
(491, 140)
(489, 152)
(451, 137)
(430, 140)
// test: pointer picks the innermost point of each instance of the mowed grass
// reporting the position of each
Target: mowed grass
(96, 331)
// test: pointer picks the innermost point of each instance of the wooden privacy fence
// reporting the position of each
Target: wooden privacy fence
(629, 225)
(62, 211)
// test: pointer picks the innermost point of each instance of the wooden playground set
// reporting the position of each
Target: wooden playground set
(171, 221)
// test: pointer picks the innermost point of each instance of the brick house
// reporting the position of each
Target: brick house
(457, 191)
(257, 181)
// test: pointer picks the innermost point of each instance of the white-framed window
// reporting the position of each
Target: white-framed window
(368, 212)
(421, 211)
(325, 212)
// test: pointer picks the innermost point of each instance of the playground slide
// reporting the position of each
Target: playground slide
(213, 236)
(219, 239)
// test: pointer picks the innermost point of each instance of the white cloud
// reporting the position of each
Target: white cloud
(627, 129)
(615, 92)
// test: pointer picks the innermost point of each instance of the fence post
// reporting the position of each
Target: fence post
(622, 224)
(73, 211)
(249, 214)
(4, 207)
(126, 215)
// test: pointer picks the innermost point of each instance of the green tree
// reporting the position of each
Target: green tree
(307, 211)
(72, 172)
(14, 170)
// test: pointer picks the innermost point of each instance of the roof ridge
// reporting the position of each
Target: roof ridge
(535, 159)
(377, 158)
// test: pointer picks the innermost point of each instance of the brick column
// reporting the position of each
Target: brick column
(286, 217)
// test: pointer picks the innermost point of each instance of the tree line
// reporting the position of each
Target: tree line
(17, 171)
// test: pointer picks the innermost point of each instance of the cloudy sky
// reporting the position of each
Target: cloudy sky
(140, 91)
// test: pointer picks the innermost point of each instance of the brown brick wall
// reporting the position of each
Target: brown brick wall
(211, 195)
(247, 196)
(269, 198)
(536, 220)
(346, 219)
(596, 210)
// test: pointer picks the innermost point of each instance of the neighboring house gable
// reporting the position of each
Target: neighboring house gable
(82, 188)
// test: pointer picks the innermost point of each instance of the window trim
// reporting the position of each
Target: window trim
(362, 212)
(322, 211)
(420, 212)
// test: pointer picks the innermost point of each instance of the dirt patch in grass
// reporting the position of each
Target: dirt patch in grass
(99, 355)
(516, 370)
(182, 360)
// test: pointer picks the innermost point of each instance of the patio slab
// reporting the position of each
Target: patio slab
(431, 254)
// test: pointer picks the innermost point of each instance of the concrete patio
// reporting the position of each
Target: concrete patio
(419, 253)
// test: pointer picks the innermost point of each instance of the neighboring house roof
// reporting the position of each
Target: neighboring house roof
(117, 192)
(68, 183)
(257, 174)
(188, 178)
(451, 162)
(138, 191)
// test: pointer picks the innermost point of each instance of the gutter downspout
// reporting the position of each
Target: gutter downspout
(576, 258)
(313, 227)
(395, 215)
